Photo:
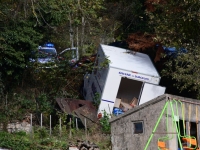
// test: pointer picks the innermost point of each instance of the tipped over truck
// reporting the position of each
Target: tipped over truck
(121, 79)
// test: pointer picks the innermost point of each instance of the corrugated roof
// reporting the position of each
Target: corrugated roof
(79, 108)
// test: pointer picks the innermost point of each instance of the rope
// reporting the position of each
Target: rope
(183, 114)
(197, 126)
(197, 115)
(189, 118)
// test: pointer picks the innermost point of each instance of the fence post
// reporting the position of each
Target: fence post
(50, 125)
(86, 132)
(76, 124)
(31, 127)
(41, 120)
(60, 127)
(70, 126)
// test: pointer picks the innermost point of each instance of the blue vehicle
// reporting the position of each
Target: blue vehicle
(45, 54)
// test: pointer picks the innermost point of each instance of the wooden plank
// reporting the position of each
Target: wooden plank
(134, 102)
(117, 102)
(125, 106)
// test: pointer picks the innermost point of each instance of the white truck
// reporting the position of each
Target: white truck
(121, 74)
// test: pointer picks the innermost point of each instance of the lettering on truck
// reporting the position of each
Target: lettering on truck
(125, 74)
(143, 78)
(139, 77)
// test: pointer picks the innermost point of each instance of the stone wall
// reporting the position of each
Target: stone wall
(18, 126)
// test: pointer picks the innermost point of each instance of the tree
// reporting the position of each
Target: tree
(126, 17)
(70, 23)
(17, 38)
(176, 24)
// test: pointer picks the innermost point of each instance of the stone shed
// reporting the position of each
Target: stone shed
(167, 122)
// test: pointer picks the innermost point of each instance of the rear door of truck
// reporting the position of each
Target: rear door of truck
(150, 91)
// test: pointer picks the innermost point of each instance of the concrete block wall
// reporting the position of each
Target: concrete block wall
(122, 127)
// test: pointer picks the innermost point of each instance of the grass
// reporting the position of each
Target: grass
(40, 139)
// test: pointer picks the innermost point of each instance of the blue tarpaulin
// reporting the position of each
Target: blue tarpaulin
(172, 51)
(117, 111)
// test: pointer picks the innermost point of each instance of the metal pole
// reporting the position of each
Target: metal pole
(163, 110)
(179, 140)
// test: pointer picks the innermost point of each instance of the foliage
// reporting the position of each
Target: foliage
(15, 107)
(140, 41)
(104, 121)
(25, 24)
(18, 141)
(105, 63)
(144, 42)
(40, 139)
(39, 88)
(184, 70)
(14, 141)
(44, 103)
(70, 23)
(41, 133)
(15, 47)
(175, 24)
(97, 99)
(2, 96)
(126, 17)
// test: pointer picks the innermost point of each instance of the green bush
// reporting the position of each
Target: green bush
(16, 141)
(104, 121)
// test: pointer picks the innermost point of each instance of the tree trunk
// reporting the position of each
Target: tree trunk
(82, 34)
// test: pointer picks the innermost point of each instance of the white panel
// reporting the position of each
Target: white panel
(138, 76)
(150, 92)
(110, 91)
(129, 60)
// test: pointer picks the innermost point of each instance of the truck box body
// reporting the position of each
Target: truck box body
(121, 74)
